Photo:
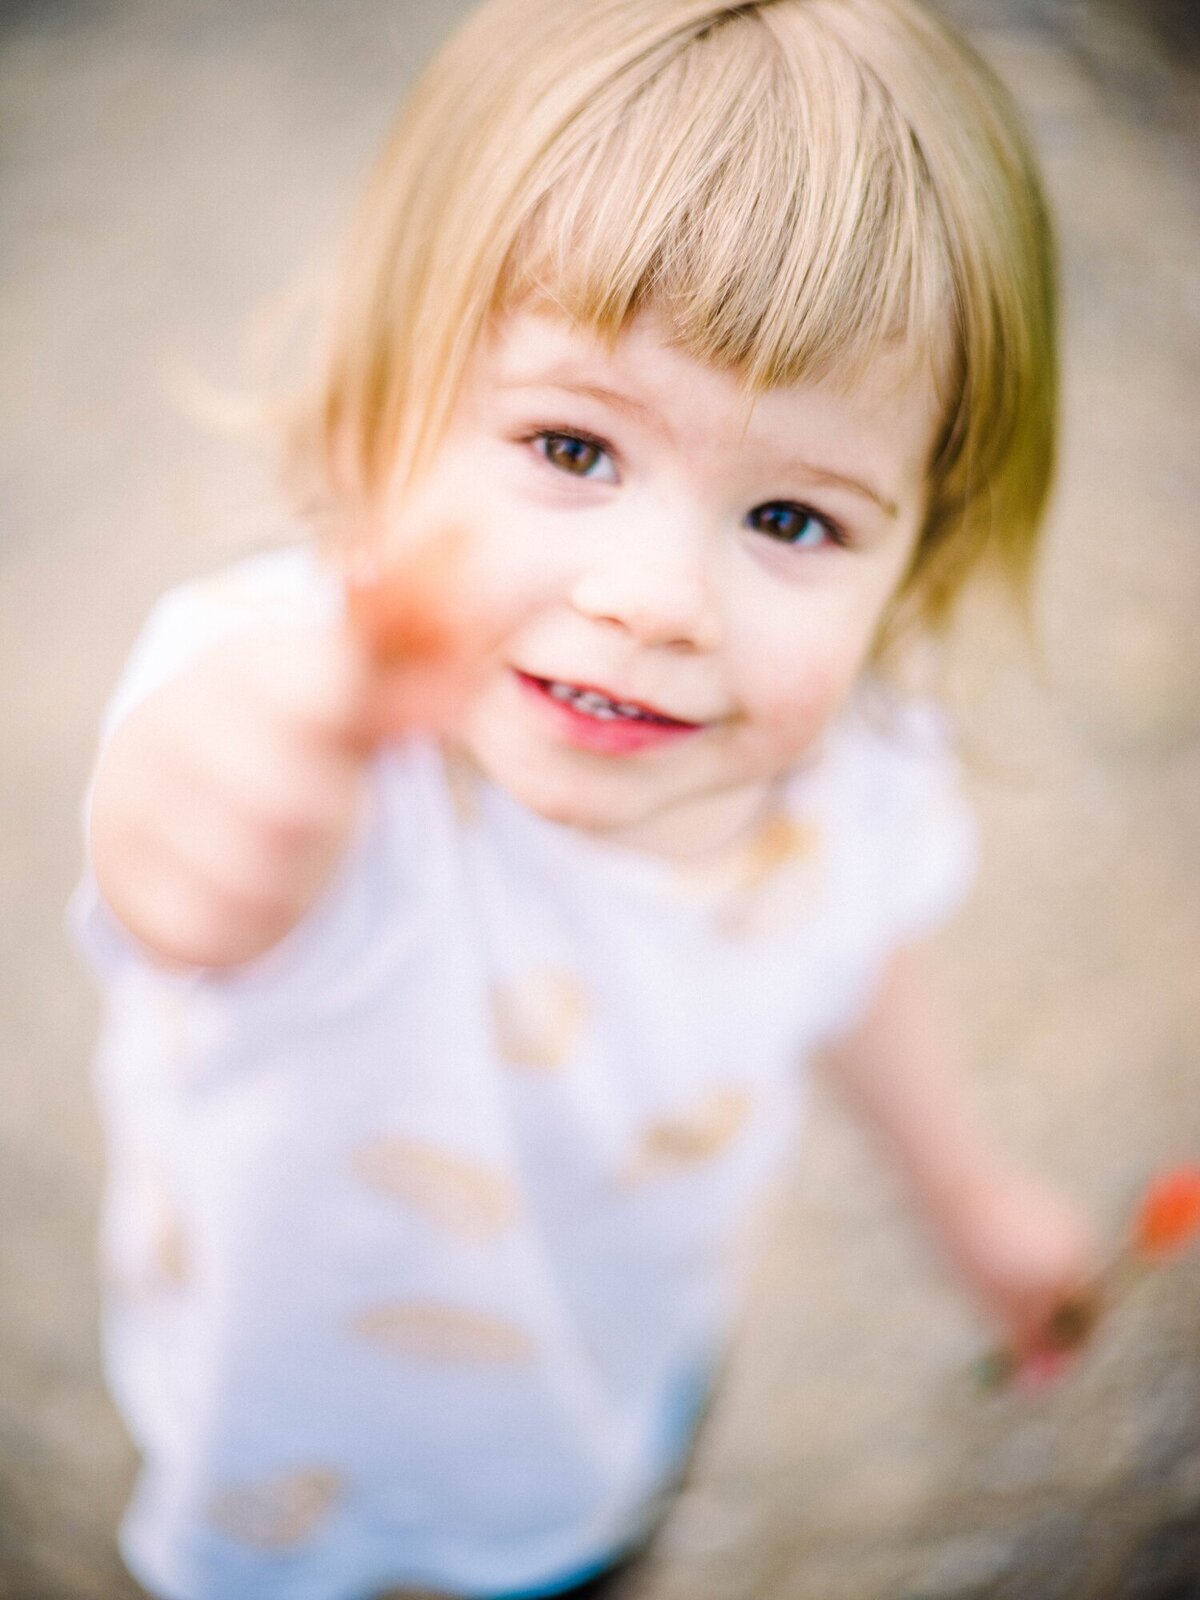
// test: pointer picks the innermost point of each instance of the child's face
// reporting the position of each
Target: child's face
(717, 565)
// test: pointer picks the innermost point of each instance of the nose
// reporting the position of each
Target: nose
(652, 577)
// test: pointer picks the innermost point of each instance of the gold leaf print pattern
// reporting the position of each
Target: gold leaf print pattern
(277, 1514)
(171, 1255)
(696, 1136)
(537, 1018)
(779, 842)
(765, 893)
(431, 1331)
(470, 1200)
(148, 1253)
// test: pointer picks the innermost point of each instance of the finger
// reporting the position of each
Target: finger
(428, 698)
(434, 599)
(1038, 1370)
(410, 605)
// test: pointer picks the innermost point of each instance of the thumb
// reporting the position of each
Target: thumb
(407, 607)
(423, 616)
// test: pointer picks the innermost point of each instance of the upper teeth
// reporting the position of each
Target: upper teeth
(593, 704)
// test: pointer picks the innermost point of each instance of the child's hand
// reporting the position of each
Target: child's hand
(1030, 1257)
(223, 802)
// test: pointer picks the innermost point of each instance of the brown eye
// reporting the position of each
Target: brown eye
(791, 524)
(569, 453)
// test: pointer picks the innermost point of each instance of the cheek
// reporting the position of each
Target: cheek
(514, 566)
(800, 686)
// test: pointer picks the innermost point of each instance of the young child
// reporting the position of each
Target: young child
(465, 947)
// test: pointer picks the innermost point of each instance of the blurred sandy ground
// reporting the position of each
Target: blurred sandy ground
(166, 166)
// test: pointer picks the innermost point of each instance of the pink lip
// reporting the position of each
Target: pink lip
(619, 737)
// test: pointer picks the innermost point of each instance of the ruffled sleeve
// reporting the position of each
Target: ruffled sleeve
(926, 841)
(903, 847)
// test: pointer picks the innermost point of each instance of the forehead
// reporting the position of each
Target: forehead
(885, 408)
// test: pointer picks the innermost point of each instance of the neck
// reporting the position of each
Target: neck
(705, 827)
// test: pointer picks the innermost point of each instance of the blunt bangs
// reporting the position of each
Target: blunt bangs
(761, 194)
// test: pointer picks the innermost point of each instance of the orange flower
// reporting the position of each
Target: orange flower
(1167, 1220)
(1169, 1215)
(404, 611)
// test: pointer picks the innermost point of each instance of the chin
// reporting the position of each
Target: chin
(574, 804)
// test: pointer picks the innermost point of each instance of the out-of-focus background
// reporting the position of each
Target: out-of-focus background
(167, 167)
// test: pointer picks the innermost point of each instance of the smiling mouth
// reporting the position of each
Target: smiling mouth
(594, 703)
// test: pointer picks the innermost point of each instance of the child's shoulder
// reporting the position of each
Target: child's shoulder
(888, 748)
(894, 812)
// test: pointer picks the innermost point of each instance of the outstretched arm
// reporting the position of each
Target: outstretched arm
(223, 801)
(1021, 1247)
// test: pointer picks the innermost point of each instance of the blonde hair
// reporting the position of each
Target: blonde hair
(791, 184)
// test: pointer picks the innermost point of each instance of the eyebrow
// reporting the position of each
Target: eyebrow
(651, 419)
(843, 480)
(617, 398)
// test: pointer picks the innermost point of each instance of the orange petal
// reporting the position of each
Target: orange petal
(404, 611)
(1169, 1216)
